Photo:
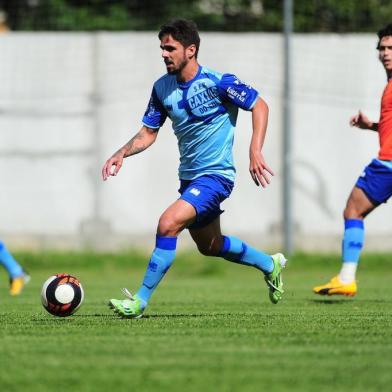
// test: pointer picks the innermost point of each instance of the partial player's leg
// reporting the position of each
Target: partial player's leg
(18, 278)
(357, 208)
(211, 242)
(372, 188)
(172, 222)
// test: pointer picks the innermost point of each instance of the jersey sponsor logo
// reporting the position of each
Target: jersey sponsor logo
(195, 191)
(233, 93)
(150, 107)
(238, 82)
(202, 99)
(205, 97)
(151, 111)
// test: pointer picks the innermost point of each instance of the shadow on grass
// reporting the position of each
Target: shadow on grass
(58, 320)
(55, 319)
(330, 301)
(188, 315)
(152, 316)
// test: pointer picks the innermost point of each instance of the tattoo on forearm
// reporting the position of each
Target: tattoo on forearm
(136, 150)
(134, 146)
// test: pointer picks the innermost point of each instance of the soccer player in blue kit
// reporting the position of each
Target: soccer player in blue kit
(203, 106)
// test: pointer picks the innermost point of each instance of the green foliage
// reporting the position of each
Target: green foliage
(59, 15)
(211, 15)
(341, 16)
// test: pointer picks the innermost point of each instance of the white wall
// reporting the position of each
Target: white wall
(67, 101)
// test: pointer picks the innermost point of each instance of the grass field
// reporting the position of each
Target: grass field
(209, 327)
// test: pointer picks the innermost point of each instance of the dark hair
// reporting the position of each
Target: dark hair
(384, 32)
(183, 31)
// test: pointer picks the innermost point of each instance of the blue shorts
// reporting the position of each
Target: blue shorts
(376, 182)
(205, 194)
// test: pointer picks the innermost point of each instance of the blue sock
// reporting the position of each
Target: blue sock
(239, 252)
(13, 268)
(354, 234)
(161, 259)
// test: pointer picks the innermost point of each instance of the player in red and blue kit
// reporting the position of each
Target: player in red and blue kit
(203, 107)
(373, 187)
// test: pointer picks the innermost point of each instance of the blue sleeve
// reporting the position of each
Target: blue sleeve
(238, 93)
(155, 114)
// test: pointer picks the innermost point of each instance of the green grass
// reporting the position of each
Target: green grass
(209, 327)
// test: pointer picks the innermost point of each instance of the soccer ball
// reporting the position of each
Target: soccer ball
(62, 295)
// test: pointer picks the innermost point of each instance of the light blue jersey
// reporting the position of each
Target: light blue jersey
(204, 114)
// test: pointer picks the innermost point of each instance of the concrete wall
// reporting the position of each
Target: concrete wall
(67, 101)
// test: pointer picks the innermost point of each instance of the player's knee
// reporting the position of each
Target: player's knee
(350, 212)
(168, 226)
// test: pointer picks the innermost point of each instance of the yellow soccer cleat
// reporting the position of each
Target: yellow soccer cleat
(336, 287)
(17, 284)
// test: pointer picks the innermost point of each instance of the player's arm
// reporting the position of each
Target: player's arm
(362, 121)
(153, 119)
(141, 141)
(258, 168)
(247, 98)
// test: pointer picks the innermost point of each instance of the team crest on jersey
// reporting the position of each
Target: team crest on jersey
(202, 100)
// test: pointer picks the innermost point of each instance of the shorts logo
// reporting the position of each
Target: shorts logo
(195, 191)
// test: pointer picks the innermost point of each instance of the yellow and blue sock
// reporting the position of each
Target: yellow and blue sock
(161, 259)
(10, 264)
(239, 252)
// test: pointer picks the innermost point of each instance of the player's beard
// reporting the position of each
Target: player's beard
(179, 68)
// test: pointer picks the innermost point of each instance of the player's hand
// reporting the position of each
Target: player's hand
(112, 166)
(259, 170)
(360, 120)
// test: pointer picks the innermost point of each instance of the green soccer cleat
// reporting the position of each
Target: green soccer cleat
(128, 308)
(274, 279)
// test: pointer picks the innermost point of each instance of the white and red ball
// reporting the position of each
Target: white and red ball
(62, 295)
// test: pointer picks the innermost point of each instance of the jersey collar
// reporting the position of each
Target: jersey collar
(185, 85)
